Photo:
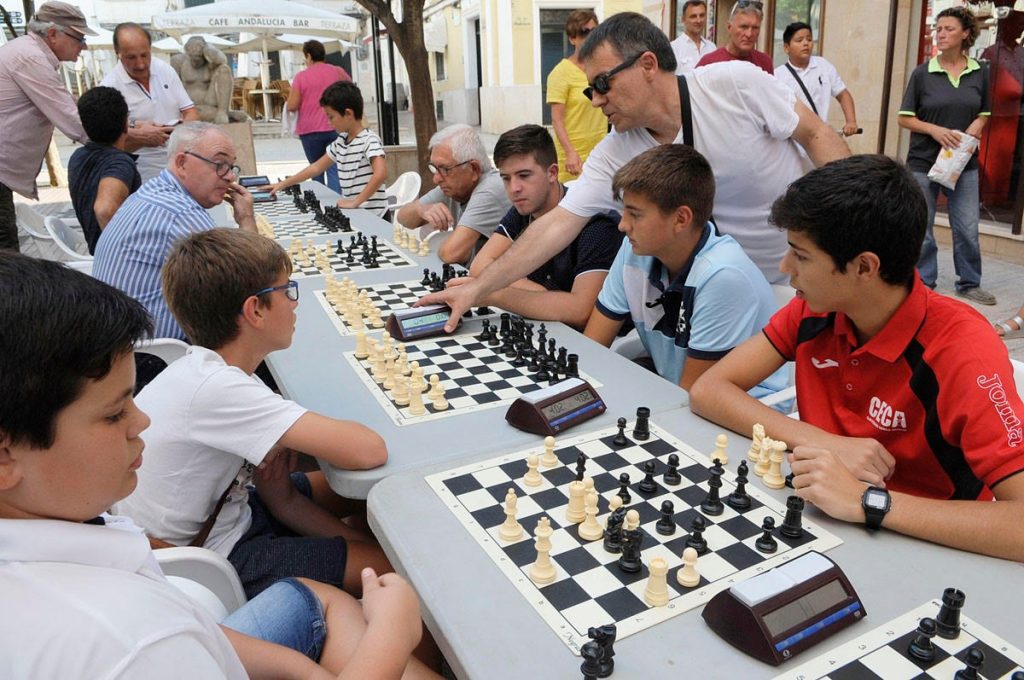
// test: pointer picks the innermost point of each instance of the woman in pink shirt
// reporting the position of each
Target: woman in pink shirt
(315, 133)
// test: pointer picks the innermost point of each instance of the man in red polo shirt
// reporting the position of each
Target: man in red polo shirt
(744, 27)
(909, 413)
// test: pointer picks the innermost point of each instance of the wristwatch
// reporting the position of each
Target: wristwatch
(876, 503)
(131, 122)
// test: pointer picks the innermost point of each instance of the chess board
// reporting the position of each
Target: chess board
(390, 257)
(882, 653)
(474, 374)
(286, 221)
(590, 589)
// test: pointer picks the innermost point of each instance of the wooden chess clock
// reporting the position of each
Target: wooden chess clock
(556, 408)
(418, 322)
(778, 614)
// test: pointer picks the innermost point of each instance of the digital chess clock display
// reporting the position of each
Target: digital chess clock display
(808, 607)
(570, 403)
(421, 321)
(418, 322)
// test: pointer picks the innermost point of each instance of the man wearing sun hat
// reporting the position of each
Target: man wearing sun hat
(33, 100)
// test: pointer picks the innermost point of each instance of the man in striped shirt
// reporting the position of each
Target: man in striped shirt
(200, 174)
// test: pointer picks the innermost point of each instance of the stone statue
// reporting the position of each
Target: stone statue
(207, 78)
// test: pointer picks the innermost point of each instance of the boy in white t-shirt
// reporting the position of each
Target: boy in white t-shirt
(83, 595)
(217, 428)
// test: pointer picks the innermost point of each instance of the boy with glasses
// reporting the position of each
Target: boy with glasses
(217, 428)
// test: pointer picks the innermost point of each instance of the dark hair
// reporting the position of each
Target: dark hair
(58, 329)
(343, 95)
(578, 19)
(314, 49)
(857, 204)
(690, 3)
(104, 114)
(791, 30)
(669, 176)
(967, 21)
(526, 139)
(129, 26)
(629, 34)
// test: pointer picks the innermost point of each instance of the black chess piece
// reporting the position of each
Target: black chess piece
(789, 480)
(672, 475)
(767, 542)
(647, 485)
(973, 662)
(620, 439)
(629, 560)
(666, 526)
(947, 621)
(605, 636)
(340, 249)
(492, 336)
(572, 366)
(696, 538)
(1017, 675)
(506, 324)
(581, 466)
(592, 653)
(425, 281)
(624, 489)
(642, 430)
(921, 647)
(552, 344)
(519, 361)
(792, 524)
(482, 337)
(563, 360)
(374, 264)
(739, 499)
(712, 504)
(542, 373)
(613, 531)
(542, 340)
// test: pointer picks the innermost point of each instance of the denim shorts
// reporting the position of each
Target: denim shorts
(288, 614)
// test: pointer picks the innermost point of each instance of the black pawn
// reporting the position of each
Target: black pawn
(739, 499)
(425, 281)
(712, 504)
(542, 373)
(373, 245)
(572, 367)
(613, 532)
(789, 480)
(506, 324)
(605, 636)
(563, 360)
(340, 249)
(492, 336)
(648, 485)
(792, 524)
(620, 438)
(624, 489)
(552, 343)
(696, 538)
(642, 430)
(591, 667)
(1017, 675)
(519, 361)
(947, 621)
(672, 475)
(974, 660)
(485, 332)
(666, 526)
(767, 542)
(581, 467)
(629, 560)
(921, 647)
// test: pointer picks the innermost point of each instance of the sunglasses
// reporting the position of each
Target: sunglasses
(602, 84)
(583, 32)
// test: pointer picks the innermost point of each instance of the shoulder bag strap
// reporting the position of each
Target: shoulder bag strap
(685, 111)
(802, 87)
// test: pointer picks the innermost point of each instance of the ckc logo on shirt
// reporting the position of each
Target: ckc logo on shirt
(997, 395)
(885, 417)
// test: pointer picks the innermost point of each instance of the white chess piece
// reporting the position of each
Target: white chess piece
(361, 351)
(543, 571)
(688, 576)
(754, 454)
(575, 512)
(532, 477)
(511, 530)
(549, 459)
(401, 392)
(590, 530)
(614, 504)
(416, 406)
(763, 457)
(656, 592)
(773, 478)
(720, 454)
(436, 394)
(424, 248)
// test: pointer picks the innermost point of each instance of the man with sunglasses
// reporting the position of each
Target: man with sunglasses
(742, 120)
(744, 27)
(200, 174)
(469, 199)
(34, 101)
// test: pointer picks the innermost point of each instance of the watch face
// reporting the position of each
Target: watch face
(876, 500)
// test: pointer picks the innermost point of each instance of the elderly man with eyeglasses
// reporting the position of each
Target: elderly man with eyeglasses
(742, 120)
(200, 174)
(33, 100)
(469, 199)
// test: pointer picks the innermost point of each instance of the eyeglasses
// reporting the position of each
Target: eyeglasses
(80, 39)
(584, 32)
(746, 4)
(222, 167)
(602, 83)
(444, 170)
(291, 290)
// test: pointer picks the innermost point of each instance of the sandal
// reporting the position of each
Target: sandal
(1008, 331)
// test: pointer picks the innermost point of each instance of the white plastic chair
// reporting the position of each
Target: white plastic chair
(1018, 376)
(207, 569)
(166, 349)
(31, 221)
(405, 190)
(71, 242)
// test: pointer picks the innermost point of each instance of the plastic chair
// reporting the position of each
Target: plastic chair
(71, 242)
(166, 349)
(405, 190)
(31, 221)
(1018, 376)
(208, 569)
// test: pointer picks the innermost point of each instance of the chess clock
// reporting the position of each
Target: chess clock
(254, 181)
(778, 614)
(418, 322)
(556, 408)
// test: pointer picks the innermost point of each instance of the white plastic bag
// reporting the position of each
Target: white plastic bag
(951, 162)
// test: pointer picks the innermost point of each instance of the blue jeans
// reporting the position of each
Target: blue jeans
(288, 614)
(314, 145)
(964, 212)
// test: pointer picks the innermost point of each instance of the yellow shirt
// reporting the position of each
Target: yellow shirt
(586, 125)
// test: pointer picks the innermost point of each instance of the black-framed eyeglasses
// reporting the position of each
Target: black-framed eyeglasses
(291, 290)
(222, 167)
(445, 170)
(80, 39)
(602, 84)
(584, 32)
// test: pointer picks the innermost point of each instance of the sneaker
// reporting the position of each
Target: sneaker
(978, 294)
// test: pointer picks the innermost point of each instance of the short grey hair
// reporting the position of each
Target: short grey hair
(186, 137)
(41, 27)
(465, 144)
(742, 7)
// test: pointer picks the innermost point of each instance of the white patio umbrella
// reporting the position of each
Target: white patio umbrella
(173, 46)
(265, 18)
(290, 41)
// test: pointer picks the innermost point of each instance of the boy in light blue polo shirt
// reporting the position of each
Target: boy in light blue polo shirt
(693, 294)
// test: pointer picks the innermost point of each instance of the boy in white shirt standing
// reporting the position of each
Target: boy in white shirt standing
(814, 80)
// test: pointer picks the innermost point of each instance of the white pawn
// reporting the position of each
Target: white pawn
(400, 394)
(773, 478)
(543, 571)
(614, 504)
(590, 530)
(756, 436)
(361, 351)
(424, 248)
(719, 454)
(688, 576)
(416, 406)
(532, 477)
(511, 530)
(549, 459)
(656, 592)
(436, 394)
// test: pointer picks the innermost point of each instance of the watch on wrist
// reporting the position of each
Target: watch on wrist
(131, 122)
(876, 503)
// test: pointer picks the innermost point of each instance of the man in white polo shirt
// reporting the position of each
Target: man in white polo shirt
(154, 93)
